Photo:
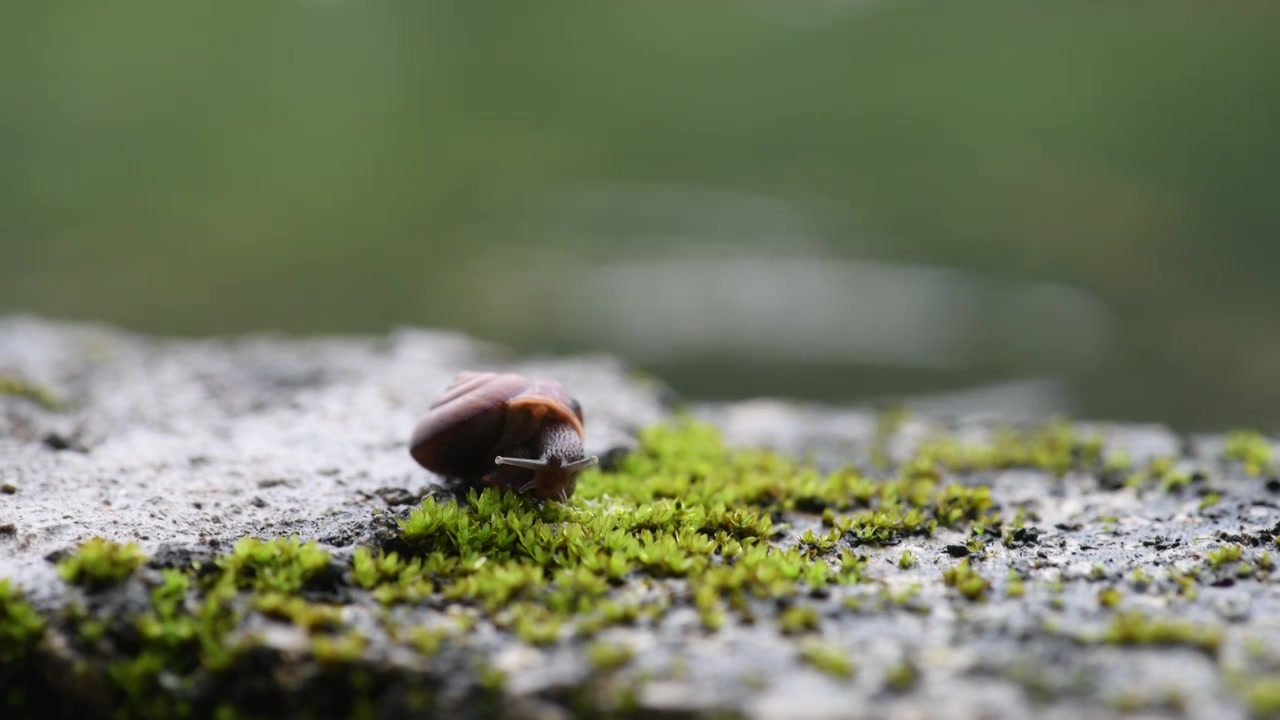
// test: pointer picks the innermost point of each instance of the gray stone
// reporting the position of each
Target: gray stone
(188, 445)
(172, 442)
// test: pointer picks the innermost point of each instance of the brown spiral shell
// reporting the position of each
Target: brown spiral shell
(481, 415)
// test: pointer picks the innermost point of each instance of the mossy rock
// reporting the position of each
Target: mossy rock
(1008, 568)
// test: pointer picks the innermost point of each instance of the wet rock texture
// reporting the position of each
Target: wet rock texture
(186, 446)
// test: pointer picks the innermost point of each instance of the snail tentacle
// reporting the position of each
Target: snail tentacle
(526, 463)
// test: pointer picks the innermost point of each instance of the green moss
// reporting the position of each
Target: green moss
(306, 615)
(99, 564)
(1185, 583)
(180, 635)
(1263, 697)
(608, 656)
(17, 387)
(1140, 579)
(903, 677)
(1209, 500)
(683, 522)
(537, 625)
(490, 678)
(798, 619)
(1117, 463)
(1223, 555)
(1055, 447)
(828, 659)
(427, 641)
(346, 648)
(1175, 481)
(1014, 587)
(281, 565)
(682, 506)
(1133, 628)
(967, 581)
(20, 626)
(1251, 449)
(1109, 597)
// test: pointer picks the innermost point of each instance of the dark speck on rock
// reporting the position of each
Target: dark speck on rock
(8, 488)
(60, 442)
(258, 502)
(394, 496)
(957, 551)
(1160, 542)
(8, 529)
(277, 482)
(1027, 535)
(1273, 484)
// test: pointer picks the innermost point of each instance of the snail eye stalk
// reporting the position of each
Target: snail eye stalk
(526, 463)
(582, 464)
(539, 464)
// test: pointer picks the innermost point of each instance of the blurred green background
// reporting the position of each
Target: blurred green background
(826, 199)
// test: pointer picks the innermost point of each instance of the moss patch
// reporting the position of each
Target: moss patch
(1251, 449)
(17, 387)
(20, 626)
(742, 537)
(1133, 628)
(99, 564)
(828, 659)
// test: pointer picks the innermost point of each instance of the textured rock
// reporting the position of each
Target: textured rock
(202, 442)
(186, 446)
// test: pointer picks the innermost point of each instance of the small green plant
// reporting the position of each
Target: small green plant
(907, 560)
(1263, 697)
(1014, 587)
(345, 648)
(608, 656)
(967, 581)
(1109, 597)
(18, 387)
(1223, 555)
(306, 615)
(827, 658)
(427, 640)
(1249, 448)
(798, 619)
(1140, 579)
(903, 677)
(99, 563)
(1133, 628)
(20, 626)
(281, 565)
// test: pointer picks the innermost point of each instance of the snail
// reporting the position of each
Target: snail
(505, 430)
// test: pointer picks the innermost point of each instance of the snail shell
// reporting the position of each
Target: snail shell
(504, 430)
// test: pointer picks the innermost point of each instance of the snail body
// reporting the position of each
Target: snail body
(505, 430)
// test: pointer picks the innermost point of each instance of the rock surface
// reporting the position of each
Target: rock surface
(186, 442)
(186, 446)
